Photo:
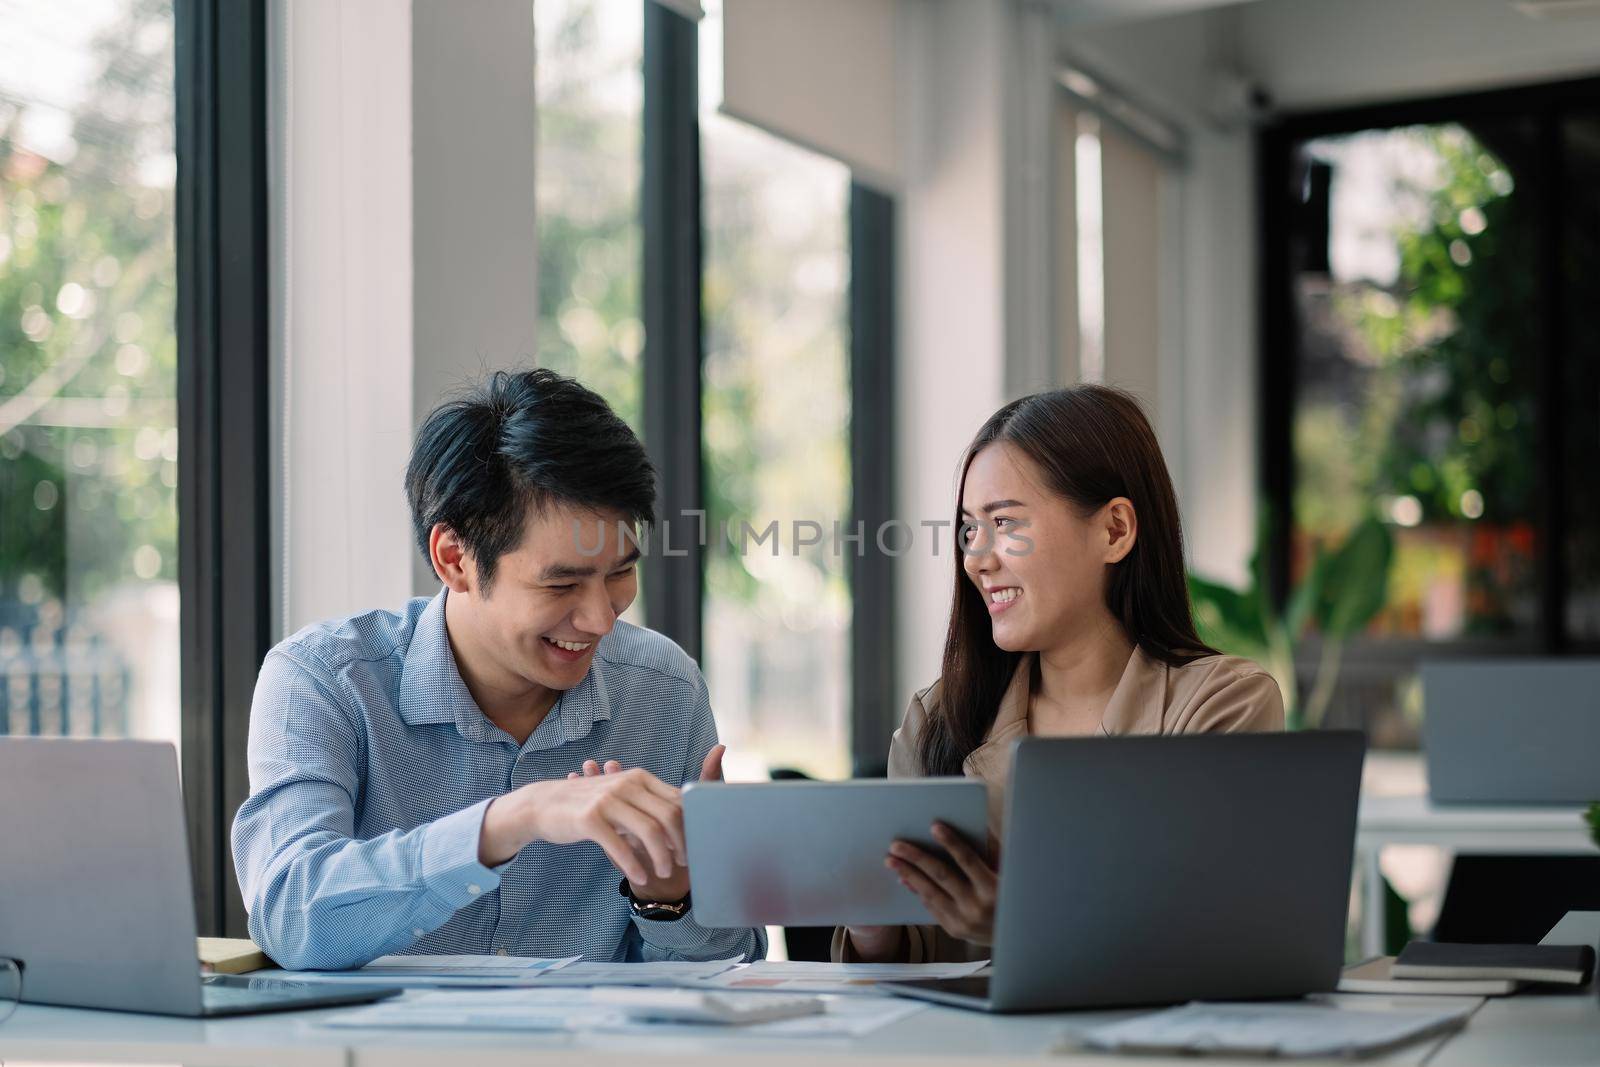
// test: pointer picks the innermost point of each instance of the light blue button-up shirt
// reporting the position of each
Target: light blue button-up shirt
(370, 770)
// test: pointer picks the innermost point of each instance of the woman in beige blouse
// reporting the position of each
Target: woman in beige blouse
(1070, 618)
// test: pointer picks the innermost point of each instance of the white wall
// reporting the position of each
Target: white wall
(399, 275)
(951, 287)
(1136, 243)
(1218, 468)
(823, 74)
(475, 241)
(1206, 413)
(341, 191)
(1028, 70)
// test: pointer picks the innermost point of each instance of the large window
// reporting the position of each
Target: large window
(88, 371)
(590, 97)
(1428, 368)
(776, 410)
(1417, 369)
(744, 388)
(587, 160)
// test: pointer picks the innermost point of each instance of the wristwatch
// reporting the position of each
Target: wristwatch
(657, 910)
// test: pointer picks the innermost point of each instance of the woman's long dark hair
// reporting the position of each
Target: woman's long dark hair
(1092, 444)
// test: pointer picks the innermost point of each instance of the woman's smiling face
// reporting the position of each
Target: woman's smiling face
(1039, 565)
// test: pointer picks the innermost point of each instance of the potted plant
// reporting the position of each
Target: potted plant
(1342, 591)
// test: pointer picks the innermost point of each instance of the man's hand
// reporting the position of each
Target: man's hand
(633, 815)
(675, 885)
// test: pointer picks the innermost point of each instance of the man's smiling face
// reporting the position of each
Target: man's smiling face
(555, 595)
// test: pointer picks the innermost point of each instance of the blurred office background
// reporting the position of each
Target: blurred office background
(1343, 252)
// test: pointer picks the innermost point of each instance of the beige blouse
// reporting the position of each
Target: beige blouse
(1214, 694)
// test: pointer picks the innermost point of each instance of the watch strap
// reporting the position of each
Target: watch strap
(655, 910)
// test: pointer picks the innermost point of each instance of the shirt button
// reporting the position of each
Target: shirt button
(501, 952)
(417, 932)
(474, 889)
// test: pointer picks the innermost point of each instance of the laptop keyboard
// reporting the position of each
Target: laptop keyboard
(971, 986)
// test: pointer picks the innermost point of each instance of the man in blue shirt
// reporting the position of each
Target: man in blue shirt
(469, 774)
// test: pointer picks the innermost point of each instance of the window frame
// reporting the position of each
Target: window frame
(874, 662)
(1544, 103)
(669, 292)
(224, 570)
(674, 357)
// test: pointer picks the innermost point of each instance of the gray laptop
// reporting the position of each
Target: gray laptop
(1513, 731)
(95, 896)
(1152, 870)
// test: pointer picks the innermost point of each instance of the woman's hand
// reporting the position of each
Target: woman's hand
(960, 897)
(878, 944)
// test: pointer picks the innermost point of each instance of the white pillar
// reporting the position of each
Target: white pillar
(951, 267)
(475, 244)
(340, 136)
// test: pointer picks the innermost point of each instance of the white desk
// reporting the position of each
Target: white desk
(71, 1035)
(1554, 1031)
(1528, 1028)
(38, 1034)
(1412, 820)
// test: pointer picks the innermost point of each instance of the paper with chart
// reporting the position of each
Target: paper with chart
(842, 1016)
(500, 1009)
(857, 978)
(479, 966)
(572, 1010)
(450, 971)
(1299, 1028)
(645, 973)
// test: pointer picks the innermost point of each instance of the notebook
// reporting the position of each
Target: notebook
(1559, 964)
(1376, 976)
(230, 955)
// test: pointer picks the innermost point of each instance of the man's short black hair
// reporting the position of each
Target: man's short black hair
(514, 445)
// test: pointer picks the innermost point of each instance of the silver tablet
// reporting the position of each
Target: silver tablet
(811, 853)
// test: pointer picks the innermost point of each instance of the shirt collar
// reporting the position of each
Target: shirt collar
(1138, 703)
(581, 706)
(1135, 707)
(1010, 722)
(431, 691)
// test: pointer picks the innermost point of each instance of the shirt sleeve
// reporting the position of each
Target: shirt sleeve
(685, 938)
(316, 896)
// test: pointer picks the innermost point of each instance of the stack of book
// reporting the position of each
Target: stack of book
(230, 955)
(1437, 968)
